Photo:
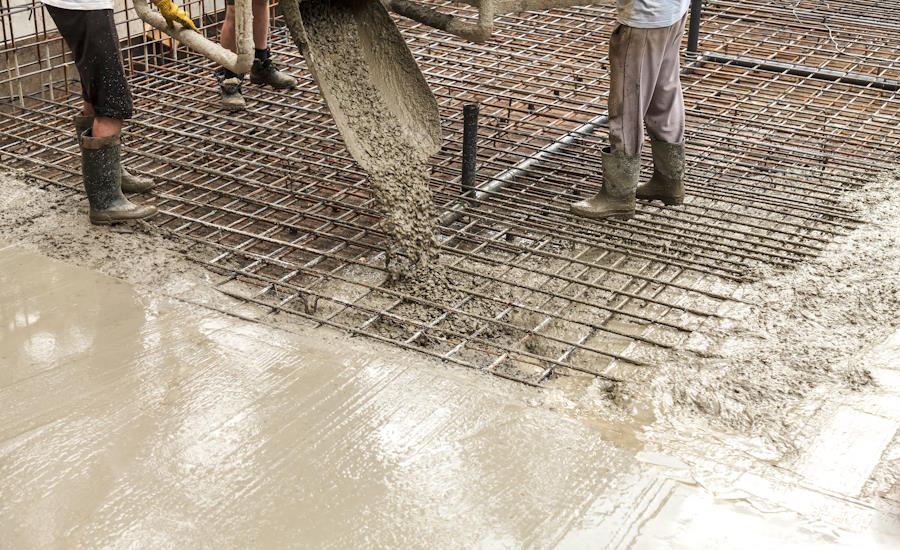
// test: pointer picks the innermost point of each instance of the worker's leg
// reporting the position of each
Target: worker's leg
(105, 126)
(665, 111)
(230, 82)
(261, 24)
(264, 71)
(631, 85)
(633, 74)
(102, 126)
(665, 122)
(91, 36)
(131, 182)
(227, 37)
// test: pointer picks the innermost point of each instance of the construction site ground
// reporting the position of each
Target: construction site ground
(136, 413)
(240, 372)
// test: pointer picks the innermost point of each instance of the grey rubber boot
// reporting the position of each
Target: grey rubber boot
(131, 183)
(616, 197)
(101, 170)
(264, 72)
(667, 182)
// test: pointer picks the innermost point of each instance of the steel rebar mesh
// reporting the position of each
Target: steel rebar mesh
(855, 38)
(274, 194)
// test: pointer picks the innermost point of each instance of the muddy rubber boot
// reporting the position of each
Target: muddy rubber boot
(616, 197)
(230, 88)
(131, 183)
(264, 72)
(101, 170)
(667, 182)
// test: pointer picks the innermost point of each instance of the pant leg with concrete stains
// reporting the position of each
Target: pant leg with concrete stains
(645, 87)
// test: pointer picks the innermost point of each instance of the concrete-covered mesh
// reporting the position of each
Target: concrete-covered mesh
(283, 207)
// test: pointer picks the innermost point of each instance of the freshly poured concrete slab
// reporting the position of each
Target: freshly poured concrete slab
(133, 419)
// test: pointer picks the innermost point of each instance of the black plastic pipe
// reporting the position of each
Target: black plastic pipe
(694, 29)
(470, 147)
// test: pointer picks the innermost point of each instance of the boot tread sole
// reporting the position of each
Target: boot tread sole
(666, 199)
(617, 214)
(109, 219)
(261, 82)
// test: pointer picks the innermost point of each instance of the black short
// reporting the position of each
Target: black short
(92, 37)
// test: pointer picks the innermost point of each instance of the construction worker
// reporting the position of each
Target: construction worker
(263, 70)
(645, 90)
(88, 28)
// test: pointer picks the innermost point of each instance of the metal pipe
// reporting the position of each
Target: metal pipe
(694, 29)
(469, 148)
(832, 75)
(504, 7)
(456, 209)
(476, 32)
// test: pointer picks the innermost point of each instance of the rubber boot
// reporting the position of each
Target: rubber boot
(616, 197)
(101, 169)
(131, 183)
(667, 182)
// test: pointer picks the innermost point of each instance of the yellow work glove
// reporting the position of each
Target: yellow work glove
(172, 13)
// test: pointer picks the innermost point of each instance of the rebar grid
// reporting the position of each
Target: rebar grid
(855, 37)
(275, 197)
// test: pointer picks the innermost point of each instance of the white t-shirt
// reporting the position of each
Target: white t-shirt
(651, 14)
(81, 5)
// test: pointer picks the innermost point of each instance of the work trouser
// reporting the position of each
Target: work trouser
(92, 37)
(645, 87)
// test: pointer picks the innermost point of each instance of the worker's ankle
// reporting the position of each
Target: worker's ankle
(262, 53)
(226, 74)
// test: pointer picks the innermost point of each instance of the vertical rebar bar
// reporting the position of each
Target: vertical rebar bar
(694, 30)
(469, 148)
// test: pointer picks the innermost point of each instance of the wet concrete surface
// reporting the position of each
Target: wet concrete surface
(131, 418)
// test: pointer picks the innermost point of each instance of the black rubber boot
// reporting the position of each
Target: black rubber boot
(101, 170)
(616, 197)
(264, 72)
(667, 182)
(131, 183)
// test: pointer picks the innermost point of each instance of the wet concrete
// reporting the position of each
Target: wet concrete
(134, 419)
(130, 418)
(387, 115)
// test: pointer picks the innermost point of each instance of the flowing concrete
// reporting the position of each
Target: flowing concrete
(131, 419)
